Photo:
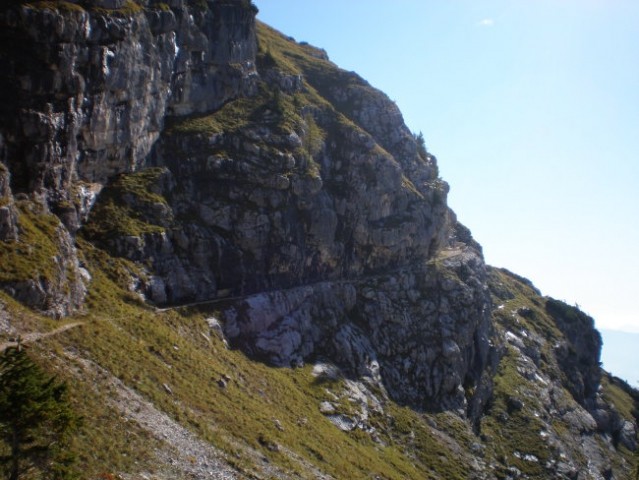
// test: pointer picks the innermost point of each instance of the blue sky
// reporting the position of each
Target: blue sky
(532, 109)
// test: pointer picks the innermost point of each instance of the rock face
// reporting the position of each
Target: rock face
(424, 329)
(105, 83)
(61, 287)
(549, 374)
(247, 174)
(84, 95)
(8, 214)
(575, 353)
(328, 220)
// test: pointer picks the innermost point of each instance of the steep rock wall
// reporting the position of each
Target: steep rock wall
(8, 214)
(303, 192)
(84, 95)
(303, 197)
(422, 331)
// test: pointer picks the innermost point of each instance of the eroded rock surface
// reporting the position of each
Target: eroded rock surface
(244, 173)
(84, 95)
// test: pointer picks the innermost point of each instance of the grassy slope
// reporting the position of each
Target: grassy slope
(519, 430)
(33, 256)
(146, 349)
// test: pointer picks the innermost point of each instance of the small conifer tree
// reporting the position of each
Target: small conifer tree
(36, 421)
(421, 145)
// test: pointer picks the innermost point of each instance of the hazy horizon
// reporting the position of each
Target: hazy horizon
(621, 357)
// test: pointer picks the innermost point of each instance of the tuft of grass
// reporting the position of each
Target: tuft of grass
(277, 110)
(126, 207)
(110, 220)
(615, 394)
(130, 8)
(143, 184)
(33, 255)
(410, 186)
(55, 5)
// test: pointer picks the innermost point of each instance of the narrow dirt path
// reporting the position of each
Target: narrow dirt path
(36, 336)
(443, 255)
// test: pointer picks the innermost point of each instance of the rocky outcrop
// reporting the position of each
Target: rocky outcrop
(550, 372)
(40, 265)
(256, 180)
(104, 85)
(580, 351)
(262, 219)
(329, 224)
(62, 292)
(84, 95)
(8, 214)
(423, 331)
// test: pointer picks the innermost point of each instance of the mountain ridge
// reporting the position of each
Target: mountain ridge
(180, 154)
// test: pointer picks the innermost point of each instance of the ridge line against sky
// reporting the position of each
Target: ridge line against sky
(532, 109)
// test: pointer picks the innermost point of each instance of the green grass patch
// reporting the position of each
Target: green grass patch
(274, 109)
(130, 8)
(144, 184)
(53, 5)
(271, 410)
(615, 394)
(56, 5)
(127, 207)
(32, 256)
(514, 433)
(412, 434)
(410, 186)
(110, 220)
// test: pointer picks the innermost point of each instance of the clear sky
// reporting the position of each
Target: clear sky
(532, 109)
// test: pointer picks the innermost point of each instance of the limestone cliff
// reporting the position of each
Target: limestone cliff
(293, 182)
(199, 158)
(84, 95)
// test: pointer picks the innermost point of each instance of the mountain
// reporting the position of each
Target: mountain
(243, 265)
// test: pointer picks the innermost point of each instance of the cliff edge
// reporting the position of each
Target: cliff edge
(179, 172)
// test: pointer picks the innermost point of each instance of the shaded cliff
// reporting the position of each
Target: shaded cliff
(271, 169)
(85, 92)
(185, 178)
